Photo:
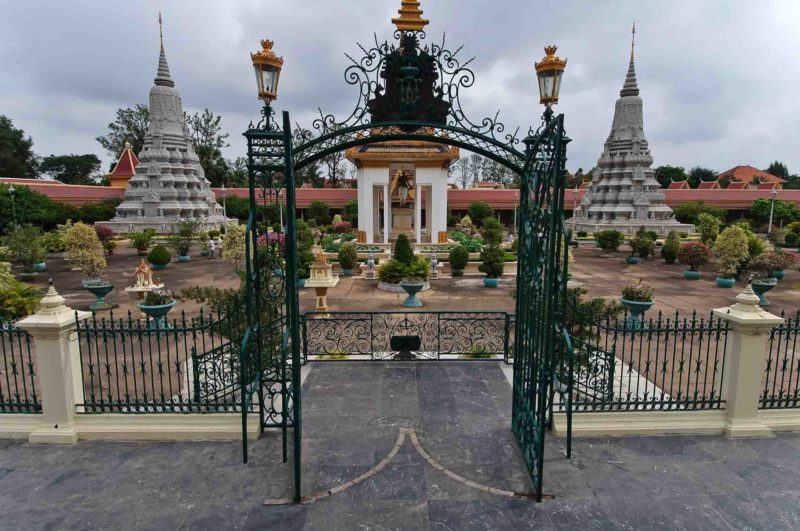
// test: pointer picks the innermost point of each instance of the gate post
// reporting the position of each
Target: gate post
(53, 329)
(745, 355)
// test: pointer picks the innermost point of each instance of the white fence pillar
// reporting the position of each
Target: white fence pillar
(745, 356)
(53, 329)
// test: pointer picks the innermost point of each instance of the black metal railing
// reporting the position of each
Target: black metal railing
(658, 364)
(782, 375)
(181, 365)
(442, 335)
(18, 379)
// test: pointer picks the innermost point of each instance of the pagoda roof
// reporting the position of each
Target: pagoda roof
(709, 185)
(126, 164)
(678, 185)
(748, 174)
(736, 185)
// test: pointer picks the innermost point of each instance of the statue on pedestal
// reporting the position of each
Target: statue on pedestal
(369, 274)
(434, 267)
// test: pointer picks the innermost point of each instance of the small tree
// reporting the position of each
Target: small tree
(465, 226)
(25, 246)
(319, 212)
(348, 256)
(459, 258)
(479, 212)
(492, 261)
(609, 240)
(492, 232)
(694, 254)
(708, 226)
(233, 245)
(642, 245)
(350, 212)
(669, 251)
(184, 235)
(403, 252)
(85, 250)
(731, 249)
(141, 240)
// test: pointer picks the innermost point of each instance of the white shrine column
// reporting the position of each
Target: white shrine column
(428, 197)
(438, 203)
(387, 213)
(418, 213)
(375, 220)
(366, 211)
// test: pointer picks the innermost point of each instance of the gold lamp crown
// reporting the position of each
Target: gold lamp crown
(266, 56)
(410, 18)
(551, 61)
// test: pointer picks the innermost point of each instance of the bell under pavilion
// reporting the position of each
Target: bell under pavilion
(624, 193)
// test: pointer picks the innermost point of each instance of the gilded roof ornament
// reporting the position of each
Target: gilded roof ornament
(551, 61)
(410, 18)
(266, 55)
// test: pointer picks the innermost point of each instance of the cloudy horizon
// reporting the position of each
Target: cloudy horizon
(716, 77)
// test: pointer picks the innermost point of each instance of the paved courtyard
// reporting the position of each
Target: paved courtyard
(353, 414)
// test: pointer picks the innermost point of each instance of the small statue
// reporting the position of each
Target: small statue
(369, 274)
(320, 258)
(434, 266)
(144, 275)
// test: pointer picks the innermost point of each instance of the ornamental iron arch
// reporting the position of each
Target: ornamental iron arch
(406, 90)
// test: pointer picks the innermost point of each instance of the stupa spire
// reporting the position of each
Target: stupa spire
(162, 75)
(630, 88)
(410, 18)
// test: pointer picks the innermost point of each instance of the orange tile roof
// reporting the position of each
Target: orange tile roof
(709, 185)
(678, 185)
(735, 185)
(747, 174)
(126, 165)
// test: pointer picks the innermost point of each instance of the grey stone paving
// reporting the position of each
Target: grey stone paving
(353, 412)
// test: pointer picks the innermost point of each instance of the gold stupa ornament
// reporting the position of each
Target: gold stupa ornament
(549, 72)
(410, 18)
(268, 67)
(266, 56)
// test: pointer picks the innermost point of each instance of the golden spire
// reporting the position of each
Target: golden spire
(410, 18)
(160, 32)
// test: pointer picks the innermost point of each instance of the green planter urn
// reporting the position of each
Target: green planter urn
(691, 275)
(761, 286)
(490, 282)
(184, 258)
(632, 259)
(100, 289)
(726, 282)
(777, 275)
(636, 311)
(157, 313)
(411, 289)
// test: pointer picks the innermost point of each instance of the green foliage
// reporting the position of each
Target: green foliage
(755, 245)
(479, 351)
(305, 235)
(638, 292)
(185, 233)
(700, 174)
(669, 251)
(304, 261)
(794, 227)
(85, 249)
(667, 174)
(6, 276)
(609, 239)
(237, 207)
(688, 212)
(130, 125)
(403, 252)
(18, 300)
(350, 212)
(784, 212)
(159, 255)
(694, 254)
(582, 234)
(479, 212)
(418, 269)
(52, 242)
(142, 240)
(708, 227)
(95, 212)
(392, 271)
(777, 236)
(473, 244)
(732, 251)
(641, 244)
(778, 169)
(158, 298)
(582, 315)
(348, 256)
(465, 226)
(492, 231)
(71, 169)
(25, 246)
(233, 245)
(772, 261)
(16, 151)
(492, 261)
(319, 211)
(791, 239)
(459, 258)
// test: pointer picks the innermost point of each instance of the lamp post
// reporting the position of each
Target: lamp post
(267, 66)
(773, 195)
(549, 72)
(11, 192)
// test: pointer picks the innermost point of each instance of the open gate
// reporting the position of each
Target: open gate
(406, 91)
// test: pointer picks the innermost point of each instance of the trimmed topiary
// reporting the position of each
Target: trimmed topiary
(348, 256)
(403, 252)
(609, 239)
(159, 255)
(459, 258)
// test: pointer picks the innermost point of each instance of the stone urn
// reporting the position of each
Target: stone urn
(636, 311)
(41, 267)
(691, 275)
(761, 286)
(100, 289)
(726, 282)
(412, 287)
(157, 312)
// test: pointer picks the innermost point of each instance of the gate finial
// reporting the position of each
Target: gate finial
(410, 18)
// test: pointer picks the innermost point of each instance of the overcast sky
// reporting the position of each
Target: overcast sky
(719, 79)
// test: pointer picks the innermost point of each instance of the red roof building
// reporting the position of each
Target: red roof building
(709, 185)
(125, 168)
(679, 185)
(735, 185)
(749, 175)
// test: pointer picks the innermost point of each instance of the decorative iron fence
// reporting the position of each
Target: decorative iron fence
(182, 365)
(782, 375)
(659, 364)
(18, 380)
(418, 335)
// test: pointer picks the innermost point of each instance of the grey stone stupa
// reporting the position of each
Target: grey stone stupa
(624, 194)
(169, 185)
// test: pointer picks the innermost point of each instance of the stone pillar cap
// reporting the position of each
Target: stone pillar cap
(746, 311)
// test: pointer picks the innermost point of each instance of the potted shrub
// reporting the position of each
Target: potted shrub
(707, 227)
(25, 248)
(141, 240)
(731, 248)
(492, 255)
(609, 239)
(106, 234)
(204, 244)
(156, 305)
(763, 265)
(304, 261)
(641, 246)
(459, 258)
(185, 234)
(782, 261)
(695, 255)
(669, 251)
(348, 258)
(414, 279)
(159, 257)
(85, 250)
(637, 299)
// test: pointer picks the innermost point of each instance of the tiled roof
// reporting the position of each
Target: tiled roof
(709, 185)
(126, 165)
(17, 180)
(746, 174)
(735, 185)
(678, 185)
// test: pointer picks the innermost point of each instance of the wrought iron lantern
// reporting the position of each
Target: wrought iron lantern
(549, 72)
(268, 71)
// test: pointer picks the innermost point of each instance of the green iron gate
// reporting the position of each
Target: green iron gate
(406, 91)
